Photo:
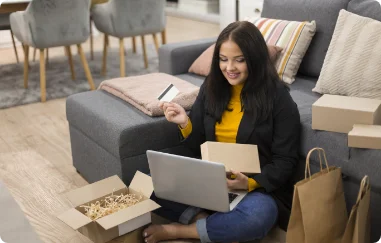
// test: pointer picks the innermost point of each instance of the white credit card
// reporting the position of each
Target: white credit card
(168, 94)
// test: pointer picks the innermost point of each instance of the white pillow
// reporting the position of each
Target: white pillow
(352, 66)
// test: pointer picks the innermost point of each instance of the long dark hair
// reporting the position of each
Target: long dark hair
(259, 90)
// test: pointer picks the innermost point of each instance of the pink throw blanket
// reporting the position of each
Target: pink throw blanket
(142, 91)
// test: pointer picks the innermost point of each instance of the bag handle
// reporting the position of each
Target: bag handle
(308, 168)
(363, 188)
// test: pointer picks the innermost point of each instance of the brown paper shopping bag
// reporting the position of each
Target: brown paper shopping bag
(358, 226)
(319, 212)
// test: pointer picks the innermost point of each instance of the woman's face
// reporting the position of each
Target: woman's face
(232, 63)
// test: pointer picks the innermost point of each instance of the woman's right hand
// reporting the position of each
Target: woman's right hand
(174, 113)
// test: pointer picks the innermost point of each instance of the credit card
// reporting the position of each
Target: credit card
(168, 94)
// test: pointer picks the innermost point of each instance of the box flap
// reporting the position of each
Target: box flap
(240, 157)
(350, 103)
(95, 190)
(74, 218)
(142, 183)
(366, 131)
(127, 214)
(205, 151)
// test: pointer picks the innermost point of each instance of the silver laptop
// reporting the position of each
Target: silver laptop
(192, 181)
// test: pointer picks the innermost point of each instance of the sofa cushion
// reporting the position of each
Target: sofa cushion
(366, 8)
(366, 162)
(117, 126)
(324, 12)
(334, 144)
(192, 78)
(353, 161)
(305, 84)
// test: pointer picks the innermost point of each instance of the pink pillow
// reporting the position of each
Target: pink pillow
(201, 65)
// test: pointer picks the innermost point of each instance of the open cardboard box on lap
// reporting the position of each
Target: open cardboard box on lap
(125, 221)
(239, 157)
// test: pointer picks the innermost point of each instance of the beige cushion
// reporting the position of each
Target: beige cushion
(293, 36)
(201, 65)
(352, 64)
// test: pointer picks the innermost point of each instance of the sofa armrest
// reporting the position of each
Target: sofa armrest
(176, 58)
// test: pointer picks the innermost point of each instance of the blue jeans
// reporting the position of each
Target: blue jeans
(251, 219)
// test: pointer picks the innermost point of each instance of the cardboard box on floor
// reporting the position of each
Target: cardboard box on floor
(336, 113)
(365, 136)
(119, 223)
(239, 157)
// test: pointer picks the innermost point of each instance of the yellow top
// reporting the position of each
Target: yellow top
(227, 130)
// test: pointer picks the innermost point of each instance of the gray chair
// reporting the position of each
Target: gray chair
(130, 18)
(53, 23)
(6, 25)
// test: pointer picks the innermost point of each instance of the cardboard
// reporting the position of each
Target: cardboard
(365, 136)
(243, 158)
(124, 222)
(336, 113)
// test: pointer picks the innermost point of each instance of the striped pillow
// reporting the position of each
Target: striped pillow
(294, 37)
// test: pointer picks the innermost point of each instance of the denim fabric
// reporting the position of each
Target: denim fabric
(251, 219)
(174, 211)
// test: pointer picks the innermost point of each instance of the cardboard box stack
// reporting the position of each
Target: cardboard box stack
(359, 117)
(239, 157)
(128, 221)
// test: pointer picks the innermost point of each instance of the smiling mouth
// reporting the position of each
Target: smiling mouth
(232, 75)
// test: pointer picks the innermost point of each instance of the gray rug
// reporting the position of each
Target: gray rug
(58, 77)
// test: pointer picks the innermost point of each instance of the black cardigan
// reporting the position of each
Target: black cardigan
(277, 139)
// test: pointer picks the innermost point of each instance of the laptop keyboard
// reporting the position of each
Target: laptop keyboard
(232, 196)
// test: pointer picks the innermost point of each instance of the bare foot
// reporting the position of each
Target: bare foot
(156, 233)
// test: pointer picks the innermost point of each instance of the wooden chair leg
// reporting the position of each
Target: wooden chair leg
(156, 42)
(122, 61)
(42, 76)
(14, 47)
(34, 54)
(91, 41)
(104, 64)
(144, 52)
(26, 65)
(86, 67)
(47, 56)
(68, 51)
(164, 37)
(133, 44)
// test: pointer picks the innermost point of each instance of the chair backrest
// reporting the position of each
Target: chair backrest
(58, 22)
(137, 17)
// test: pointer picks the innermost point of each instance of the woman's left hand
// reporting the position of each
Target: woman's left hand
(239, 183)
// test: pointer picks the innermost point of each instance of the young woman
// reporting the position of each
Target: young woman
(241, 101)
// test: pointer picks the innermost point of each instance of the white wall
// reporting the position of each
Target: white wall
(227, 12)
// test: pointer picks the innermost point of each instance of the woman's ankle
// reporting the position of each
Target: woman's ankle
(200, 215)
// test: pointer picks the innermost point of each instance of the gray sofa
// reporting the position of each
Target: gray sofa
(109, 136)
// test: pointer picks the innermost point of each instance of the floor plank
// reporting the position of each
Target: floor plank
(38, 187)
(35, 153)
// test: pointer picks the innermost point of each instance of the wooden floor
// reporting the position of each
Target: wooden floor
(35, 154)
